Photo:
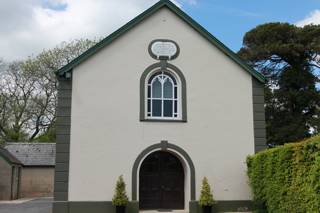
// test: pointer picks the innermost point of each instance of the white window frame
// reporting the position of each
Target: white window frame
(178, 99)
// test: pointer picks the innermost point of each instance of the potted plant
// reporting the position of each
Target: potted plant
(120, 198)
(206, 200)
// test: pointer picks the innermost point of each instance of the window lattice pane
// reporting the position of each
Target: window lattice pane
(156, 108)
(167, 108)
(162, 96)
(149, 91)
(167, 89)
(175, 107)
(149, 106)
(175, 92)
(172, 78)
(156, 89)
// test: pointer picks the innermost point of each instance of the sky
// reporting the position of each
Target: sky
(29, 26)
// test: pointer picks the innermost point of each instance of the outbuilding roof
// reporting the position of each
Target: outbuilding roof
(33, 154)
(134, 22)
(7, 156)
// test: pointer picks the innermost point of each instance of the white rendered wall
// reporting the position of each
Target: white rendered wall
(107, 136)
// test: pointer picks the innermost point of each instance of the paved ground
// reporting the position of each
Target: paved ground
(41, 205)
(176, 211)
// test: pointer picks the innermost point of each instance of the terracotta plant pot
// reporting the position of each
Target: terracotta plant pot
(206, 209)
(120, 209)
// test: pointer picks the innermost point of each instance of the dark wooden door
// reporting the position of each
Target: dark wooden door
(161, 184)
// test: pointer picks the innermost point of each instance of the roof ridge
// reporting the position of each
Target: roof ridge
(8, 156)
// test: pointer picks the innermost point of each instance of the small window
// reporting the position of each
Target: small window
(162, 96)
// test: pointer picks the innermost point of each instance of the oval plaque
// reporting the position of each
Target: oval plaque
(163, 49)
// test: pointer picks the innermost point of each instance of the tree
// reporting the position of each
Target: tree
(289, 57)
(28, 93)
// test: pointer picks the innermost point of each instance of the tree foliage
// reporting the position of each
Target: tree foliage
(289, 57)
(286, 178)
(28, 93)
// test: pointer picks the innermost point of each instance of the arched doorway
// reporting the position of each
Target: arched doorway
(161, 182)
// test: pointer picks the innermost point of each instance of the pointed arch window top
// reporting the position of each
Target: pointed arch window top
(162, 101)
(163, 94)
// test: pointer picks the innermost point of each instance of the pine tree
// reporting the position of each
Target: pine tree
(288, 56)
(206, 197)
(120, 197)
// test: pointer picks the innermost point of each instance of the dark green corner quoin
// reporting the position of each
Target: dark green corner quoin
(91, 207)
(134, 22)
(163, 65)
(260, 142)
(61, 179)
(224, 206)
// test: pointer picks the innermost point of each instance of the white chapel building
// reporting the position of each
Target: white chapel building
(162, 102)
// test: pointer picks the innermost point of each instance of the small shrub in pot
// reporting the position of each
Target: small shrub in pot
(206, 200)
(120, 198)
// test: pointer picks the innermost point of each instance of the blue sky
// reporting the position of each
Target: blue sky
(229, 20)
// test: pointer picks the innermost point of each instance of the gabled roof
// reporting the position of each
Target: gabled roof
(33, 154)
(162, 3)
(7, 156)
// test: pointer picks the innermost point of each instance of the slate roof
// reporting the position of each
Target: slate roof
(33, 154)
(7, 156)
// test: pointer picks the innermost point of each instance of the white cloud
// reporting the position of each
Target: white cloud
(312, 18)
(29, 26)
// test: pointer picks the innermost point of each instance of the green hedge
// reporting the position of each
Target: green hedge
(287, 178)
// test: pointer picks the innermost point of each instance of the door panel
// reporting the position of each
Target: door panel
(161, 182)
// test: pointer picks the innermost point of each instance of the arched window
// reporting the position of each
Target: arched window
(162, 96)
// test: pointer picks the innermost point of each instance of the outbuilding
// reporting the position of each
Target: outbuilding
(35, 174)
(10, 169)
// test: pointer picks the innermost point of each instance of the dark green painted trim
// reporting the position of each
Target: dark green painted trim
(61, 179)
(148, 13)
(224, 206)
(164, 58)
(164, 145)
(164, 120)
(39, 166)
(193, 206)
(91, 206)
(260, 141)
(60, 207)
(163, 65)
(133, 206)
(9, 161)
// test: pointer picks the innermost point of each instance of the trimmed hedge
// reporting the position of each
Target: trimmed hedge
(287, 178)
